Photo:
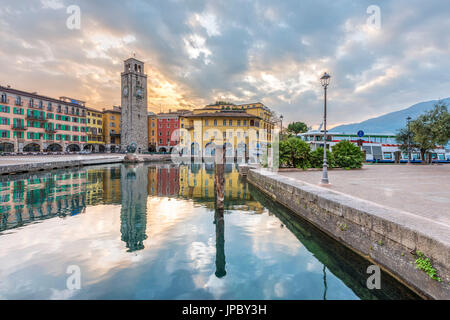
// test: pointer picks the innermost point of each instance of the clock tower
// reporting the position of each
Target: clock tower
(134, 105)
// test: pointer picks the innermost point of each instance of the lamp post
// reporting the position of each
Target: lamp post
(325, 81)
(409, 142)
(281, 119)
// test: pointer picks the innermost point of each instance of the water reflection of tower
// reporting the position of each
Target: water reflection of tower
(220, 243)
(133, 214)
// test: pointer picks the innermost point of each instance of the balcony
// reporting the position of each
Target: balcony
(38, 118)
(50, 130)
(19, 127)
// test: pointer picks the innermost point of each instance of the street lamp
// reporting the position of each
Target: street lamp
(325, 81)
(409, 142)
(281, 119)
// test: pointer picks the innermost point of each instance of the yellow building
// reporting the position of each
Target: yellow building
(152, 131)
(111, 129)
(94, 127)
(243, 127)
(197, 182)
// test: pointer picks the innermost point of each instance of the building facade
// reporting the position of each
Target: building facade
(167, 131)
(134, 105)
(240, 127)
(94, 130)
(152, 131)
(35, 123)
(111, 129)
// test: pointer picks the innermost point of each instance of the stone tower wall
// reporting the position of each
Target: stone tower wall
(134, 124)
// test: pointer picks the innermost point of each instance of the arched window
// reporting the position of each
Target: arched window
(3, 97)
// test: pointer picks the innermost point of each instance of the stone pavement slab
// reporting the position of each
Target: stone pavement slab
(423, 190)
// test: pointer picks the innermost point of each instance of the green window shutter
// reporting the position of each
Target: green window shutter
(14, 122)
(8, 133)
(21, 111)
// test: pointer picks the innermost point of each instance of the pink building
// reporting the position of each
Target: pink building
(32, 123)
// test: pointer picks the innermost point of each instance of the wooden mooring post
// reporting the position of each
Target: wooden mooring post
(219, 190)
(219, 182)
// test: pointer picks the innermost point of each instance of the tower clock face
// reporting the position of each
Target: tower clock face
(139, 93)
(125, 91)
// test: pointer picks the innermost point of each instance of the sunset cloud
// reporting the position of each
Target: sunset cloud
(196, 52)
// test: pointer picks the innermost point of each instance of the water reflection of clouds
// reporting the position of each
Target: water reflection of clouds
(177, 260)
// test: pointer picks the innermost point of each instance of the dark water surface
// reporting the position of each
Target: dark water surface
(149, 232)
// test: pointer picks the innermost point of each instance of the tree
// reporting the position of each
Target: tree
(316, 158)
(297, 127)
(428, 131)
(294, 152)
(347, 155)
(403, 137)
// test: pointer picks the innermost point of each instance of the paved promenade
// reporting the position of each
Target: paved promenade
(20, 164)
(15, 160)
(420, 189)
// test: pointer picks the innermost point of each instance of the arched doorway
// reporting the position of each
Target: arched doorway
(241, 151)
(195, 149)
(89, 147)
(101, 148)
(229, 152)
(73, 148)
(6, 147)
(32, 147)
(185, 151)
(54, 147)
(113, 149)
(163, 149)
(210, 149)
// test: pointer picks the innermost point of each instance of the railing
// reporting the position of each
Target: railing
(33, 117)
(18, 127)
(50, 130)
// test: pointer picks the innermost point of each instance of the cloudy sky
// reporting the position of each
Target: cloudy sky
(200, 51)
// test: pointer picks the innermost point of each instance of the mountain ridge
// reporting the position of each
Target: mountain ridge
(390, 122)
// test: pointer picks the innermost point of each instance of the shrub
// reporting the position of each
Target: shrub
(316, 158)
(294, 152)
(347, 155)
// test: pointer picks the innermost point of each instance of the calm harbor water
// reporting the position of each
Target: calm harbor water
(149, 232)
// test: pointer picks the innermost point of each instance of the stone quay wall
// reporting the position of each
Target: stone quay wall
(388, 237)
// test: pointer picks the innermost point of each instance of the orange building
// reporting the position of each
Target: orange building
(152, 131)
(111, 129)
